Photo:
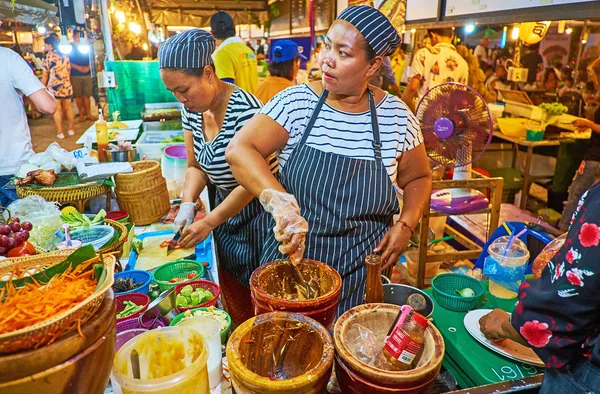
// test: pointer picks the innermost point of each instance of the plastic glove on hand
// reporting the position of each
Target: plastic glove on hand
(185, 217)
(290, 227)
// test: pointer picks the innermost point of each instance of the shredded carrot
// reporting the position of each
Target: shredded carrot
(34, 303)
(79, 328)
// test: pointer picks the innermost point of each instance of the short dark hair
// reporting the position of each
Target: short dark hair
(52, 40)
(283, 69)
(442, 31)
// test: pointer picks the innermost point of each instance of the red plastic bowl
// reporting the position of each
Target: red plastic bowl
(137, 298)
(205, 284)
(116, 215)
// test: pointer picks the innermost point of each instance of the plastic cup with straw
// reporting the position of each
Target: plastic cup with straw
(511, 239)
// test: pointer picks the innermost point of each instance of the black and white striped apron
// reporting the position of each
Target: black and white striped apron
(348, 203)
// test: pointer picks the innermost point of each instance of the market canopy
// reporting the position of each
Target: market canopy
(198, 12)
(28, 11)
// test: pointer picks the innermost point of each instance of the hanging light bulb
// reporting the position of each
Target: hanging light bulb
(84, 46)
(41, 29)
(135, 28)
(120, 15)
(145, 47)
(469, 28)
(568, 30)
(515, 32)
(413, 31)
(64, 45)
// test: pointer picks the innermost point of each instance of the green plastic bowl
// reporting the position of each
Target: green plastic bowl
(224, 331)
(176, 269)
(444, 291)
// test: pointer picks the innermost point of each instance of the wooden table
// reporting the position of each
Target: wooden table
(530, 145)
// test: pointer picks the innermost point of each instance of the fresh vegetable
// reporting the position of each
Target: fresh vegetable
(191, 275)
(137, 245)
(130, 308)
(466, 292)
(74, 218)
(13, 236)
(189, 297)
(554, 109)
(178, 138)
(24, 249)
(210, 311)
(125, 284)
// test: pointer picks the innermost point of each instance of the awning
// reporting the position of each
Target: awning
(198, 12)
(28, 11)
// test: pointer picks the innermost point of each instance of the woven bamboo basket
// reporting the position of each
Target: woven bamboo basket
(116, 246)
(48, 331)
(145, 206)
(146, 175)
(77, 195)
(28, 262)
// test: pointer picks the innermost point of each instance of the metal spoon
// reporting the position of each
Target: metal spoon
(299, 278)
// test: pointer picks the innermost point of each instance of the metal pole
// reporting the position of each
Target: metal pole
(106, 31)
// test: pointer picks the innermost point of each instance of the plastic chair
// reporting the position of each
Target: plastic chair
(536, 238)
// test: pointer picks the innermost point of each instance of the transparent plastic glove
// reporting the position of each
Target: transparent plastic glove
(290, 227)
(185, 216)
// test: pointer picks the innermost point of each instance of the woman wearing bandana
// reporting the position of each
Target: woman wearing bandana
(343, 146)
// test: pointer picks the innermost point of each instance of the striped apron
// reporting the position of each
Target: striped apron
(348, 203)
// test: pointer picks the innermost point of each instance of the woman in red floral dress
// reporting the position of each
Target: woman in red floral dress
(558, 315)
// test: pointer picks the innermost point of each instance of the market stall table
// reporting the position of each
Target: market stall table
(471, 363)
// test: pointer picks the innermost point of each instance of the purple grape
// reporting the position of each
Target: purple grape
(25, 234)
(3, 240)
(5, 229)
(11, 243)
(26, 226)
(16, 219)
(3, 250)
(15, 227)
(19, 238)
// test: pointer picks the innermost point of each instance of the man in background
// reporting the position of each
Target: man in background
(81, 78)
(17, 80)
(532, 61)
(435, 65)
(480, 52)
(234, 61)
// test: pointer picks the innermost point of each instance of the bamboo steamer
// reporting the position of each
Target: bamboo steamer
(379, 318)
(280, 353)
(146, 175)
(266, 280)
(72, 364)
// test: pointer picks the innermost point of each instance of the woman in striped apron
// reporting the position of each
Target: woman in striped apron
(343, 144)
(213, 112)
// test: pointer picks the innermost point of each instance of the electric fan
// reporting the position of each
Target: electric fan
(457, 128)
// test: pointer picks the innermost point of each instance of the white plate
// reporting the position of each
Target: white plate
(507, 348)
(128, 134)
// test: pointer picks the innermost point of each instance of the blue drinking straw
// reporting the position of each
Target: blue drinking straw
(511, 239)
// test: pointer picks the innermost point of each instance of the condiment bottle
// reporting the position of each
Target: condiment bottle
(404, 346)
(374, 291)
(101, 136)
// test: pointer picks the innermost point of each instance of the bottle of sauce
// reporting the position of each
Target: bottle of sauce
(403, 347)
(101, 136)
(374, 292)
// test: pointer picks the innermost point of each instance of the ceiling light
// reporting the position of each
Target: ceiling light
(469, 28)
(84, 46)
(515, 33)
(413, 31)
(145, 47)
(41, 29)
(135, 28)
(568, 30)
(120, 15)
(65, 46)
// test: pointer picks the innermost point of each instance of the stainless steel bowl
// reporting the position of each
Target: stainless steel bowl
(163, 307)
(397, 294)
(122, 155)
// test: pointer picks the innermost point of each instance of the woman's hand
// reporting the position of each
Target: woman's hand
(492, 324)
(196, 233)
(393, 244)
(582, 124)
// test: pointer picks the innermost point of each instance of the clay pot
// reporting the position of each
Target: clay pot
(379, 319)
(71, 364)
(266, 283)
(282, 353)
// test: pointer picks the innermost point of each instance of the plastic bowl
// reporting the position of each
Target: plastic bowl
(119, 216)
(444, 291)
(148, 323)
(137, 298)
(138, 276)
(224, 331)
(124, 336)
(177, 269)
(535, 135)
(205, 284)
(97, 236)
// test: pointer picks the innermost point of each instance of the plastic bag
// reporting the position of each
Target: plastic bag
(290, 227)
(62, 156)
(43, 215)
(52, 165)
(362, 343)
(39, 158)
(24, 169)
(542, 259)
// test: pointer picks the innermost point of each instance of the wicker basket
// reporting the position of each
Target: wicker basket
(27, 262)
(48, 331)
(146, 206)
(146, 175)
(77, 195)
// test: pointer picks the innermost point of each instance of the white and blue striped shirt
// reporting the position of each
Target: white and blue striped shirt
(343, 133)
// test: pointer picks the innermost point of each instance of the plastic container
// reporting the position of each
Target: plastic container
(97, 236)
(210, 329)
(445, 287)
(119, 216)
(174, 167)
(177, 269)
(412, 264)
(224, 330)
(136, 298)
(148, 323)
(204, 284)
(550, 216)
(514, 261)
(535, 131)
(496, 110)
(138, 276)
(150, 143)
(193, 378)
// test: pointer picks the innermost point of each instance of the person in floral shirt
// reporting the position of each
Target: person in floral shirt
(558, 315)
(57, 78)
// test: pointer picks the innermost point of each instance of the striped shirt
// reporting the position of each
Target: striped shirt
(343, 133)
(210, 155)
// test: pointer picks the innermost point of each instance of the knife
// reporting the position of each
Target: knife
(170, 247)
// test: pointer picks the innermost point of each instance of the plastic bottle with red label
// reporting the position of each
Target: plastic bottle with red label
(403, 347)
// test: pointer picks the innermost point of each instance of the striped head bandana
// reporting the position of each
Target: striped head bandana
(190, 49)
(377, 29)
